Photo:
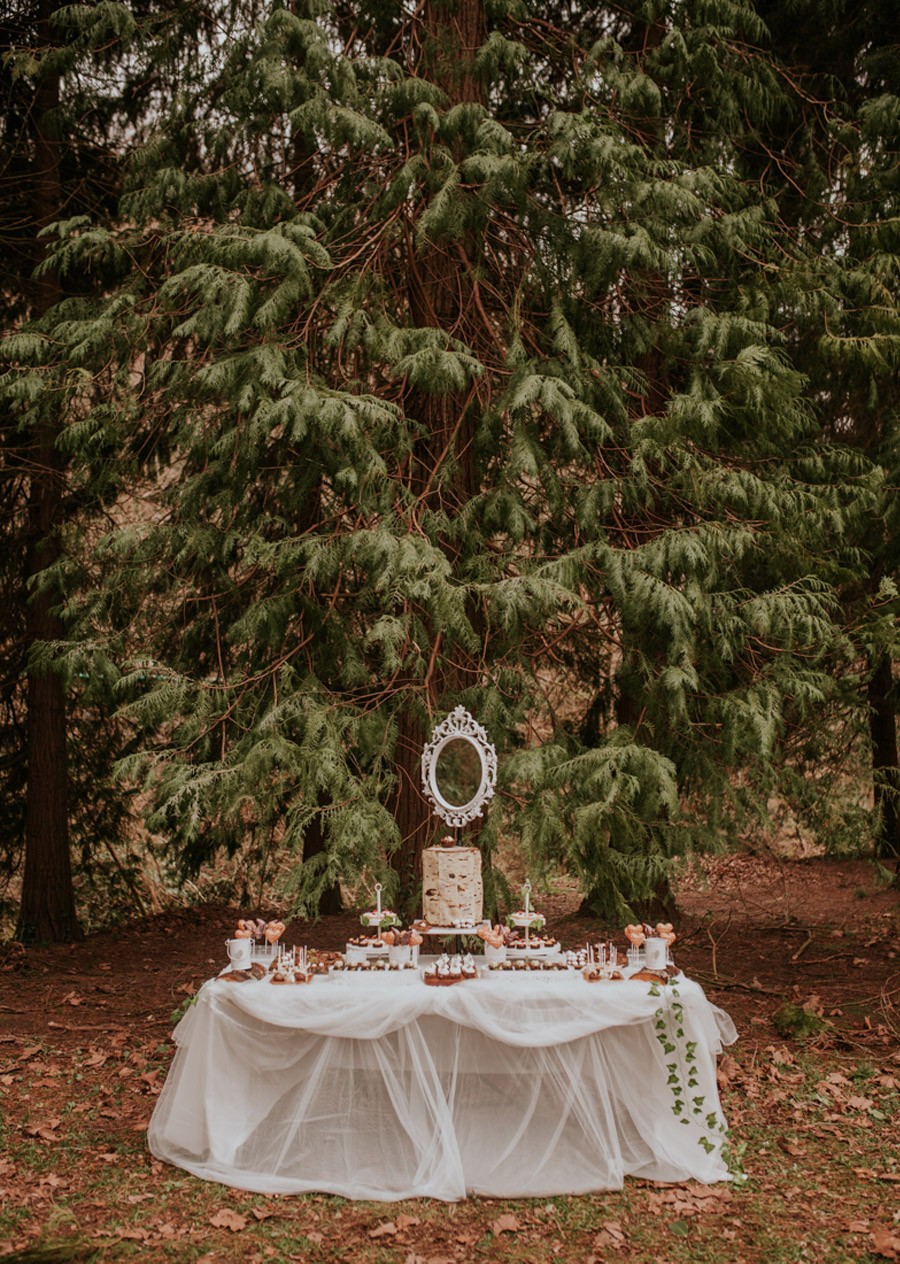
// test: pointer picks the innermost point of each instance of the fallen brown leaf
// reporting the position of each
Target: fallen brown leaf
(168, 1231)
(611, 1237)
(406, 1222)
(504, 1224)
(45, 1131)
(228, 1219)
(886, 1243)
(386, 1229)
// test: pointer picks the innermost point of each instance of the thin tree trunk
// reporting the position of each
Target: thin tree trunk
(885, 764)
(48, 901)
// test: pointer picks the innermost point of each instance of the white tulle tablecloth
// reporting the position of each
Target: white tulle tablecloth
(383, 1088)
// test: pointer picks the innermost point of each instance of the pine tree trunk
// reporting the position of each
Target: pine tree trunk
(885, 764)
(47, 911)
(410, 810)
(439, 294)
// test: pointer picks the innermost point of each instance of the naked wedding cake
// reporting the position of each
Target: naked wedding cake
(452, 892)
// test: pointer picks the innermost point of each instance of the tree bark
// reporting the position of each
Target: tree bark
(47, 910)
(410, 810)
(439, 293)
(885, 763)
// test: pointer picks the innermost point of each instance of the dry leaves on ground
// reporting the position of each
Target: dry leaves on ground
(612, 1237)
(688, 1200)
(886, 1243)
(227, 1219)
(386, 1229)
(45, 1131)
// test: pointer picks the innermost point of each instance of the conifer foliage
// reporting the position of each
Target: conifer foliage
(449, 342)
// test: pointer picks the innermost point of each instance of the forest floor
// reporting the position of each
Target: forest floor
(85, 1046)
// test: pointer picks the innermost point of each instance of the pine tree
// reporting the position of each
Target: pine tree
(34, 481)
(456, 335)
(838, 139)
(78, 84)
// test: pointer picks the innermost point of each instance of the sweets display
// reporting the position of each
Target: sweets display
(257, 929)
(493, 936)
(559, 965)
(291, 967)
(526, 917)
(402, 938)
(377, 965)
(638, 933)
(533, 944)
(379, 918)
(447, 970)
(519, 947)
(373, 943)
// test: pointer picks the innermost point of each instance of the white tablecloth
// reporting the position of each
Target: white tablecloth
(382, 1088)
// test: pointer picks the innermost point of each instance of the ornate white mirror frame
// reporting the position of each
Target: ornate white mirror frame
(459, 724)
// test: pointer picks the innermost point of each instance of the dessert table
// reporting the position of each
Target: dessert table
(380, 1087)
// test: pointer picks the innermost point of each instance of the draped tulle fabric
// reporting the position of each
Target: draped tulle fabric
(383, 1088)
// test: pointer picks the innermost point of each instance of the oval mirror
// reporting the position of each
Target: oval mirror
(459, 769)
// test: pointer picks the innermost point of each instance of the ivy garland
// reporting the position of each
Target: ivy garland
(689, 1105)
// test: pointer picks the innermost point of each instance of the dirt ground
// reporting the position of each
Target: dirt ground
(84, 1050)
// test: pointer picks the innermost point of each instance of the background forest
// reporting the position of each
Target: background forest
(362, 360)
